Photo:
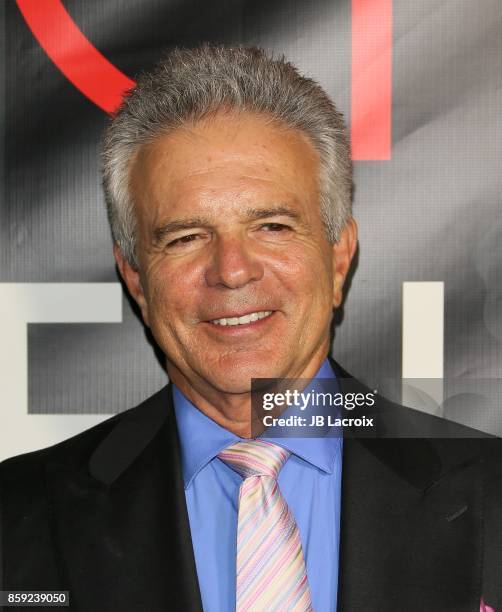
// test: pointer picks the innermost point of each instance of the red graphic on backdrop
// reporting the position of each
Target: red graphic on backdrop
(371, 99)
(104, 84)
(80, 62)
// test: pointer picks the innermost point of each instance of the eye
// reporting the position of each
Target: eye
(183, 240)
(275, 227)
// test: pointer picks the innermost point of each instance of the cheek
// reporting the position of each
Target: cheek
(173, 290)
(306, 274)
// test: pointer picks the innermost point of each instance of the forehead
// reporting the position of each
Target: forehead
(243, 153)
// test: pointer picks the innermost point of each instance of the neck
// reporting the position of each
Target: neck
(233, 411)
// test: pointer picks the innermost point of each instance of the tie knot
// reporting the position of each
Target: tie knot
(255, 458)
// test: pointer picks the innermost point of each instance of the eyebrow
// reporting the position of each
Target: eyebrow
(255, 214)
(252, 214)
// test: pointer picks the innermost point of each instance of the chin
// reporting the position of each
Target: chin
(236, 378)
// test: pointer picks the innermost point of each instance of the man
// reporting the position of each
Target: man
(228, 183)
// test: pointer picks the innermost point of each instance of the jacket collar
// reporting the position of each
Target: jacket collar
(418, 460)
(131, 436)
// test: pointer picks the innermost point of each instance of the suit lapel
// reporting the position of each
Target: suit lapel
(411, 519)
(121, 524)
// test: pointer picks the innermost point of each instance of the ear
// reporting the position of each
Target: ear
(343, 252)
(131, 278)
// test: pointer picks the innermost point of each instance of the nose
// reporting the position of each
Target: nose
(233, 264)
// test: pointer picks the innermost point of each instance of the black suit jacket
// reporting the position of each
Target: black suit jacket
(103, 515)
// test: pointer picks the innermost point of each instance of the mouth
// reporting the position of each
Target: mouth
(250, 318)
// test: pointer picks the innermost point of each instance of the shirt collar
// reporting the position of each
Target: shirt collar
(322, 451)
(201, 438)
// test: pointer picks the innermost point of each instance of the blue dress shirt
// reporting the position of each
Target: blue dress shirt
(310, 482)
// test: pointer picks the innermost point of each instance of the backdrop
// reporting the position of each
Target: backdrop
(420, 86)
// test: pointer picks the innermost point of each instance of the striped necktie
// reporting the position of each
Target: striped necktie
(271, 574)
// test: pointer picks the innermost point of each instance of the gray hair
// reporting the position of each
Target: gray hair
(191, 84)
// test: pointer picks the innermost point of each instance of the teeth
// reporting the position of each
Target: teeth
(253, 316)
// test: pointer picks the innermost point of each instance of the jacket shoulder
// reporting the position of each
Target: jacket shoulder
(73, 452)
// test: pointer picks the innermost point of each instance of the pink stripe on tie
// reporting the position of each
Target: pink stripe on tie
(484, 608)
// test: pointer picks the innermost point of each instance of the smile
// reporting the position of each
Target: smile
(248, 318)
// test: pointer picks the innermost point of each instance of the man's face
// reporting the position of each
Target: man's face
(236, 278)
